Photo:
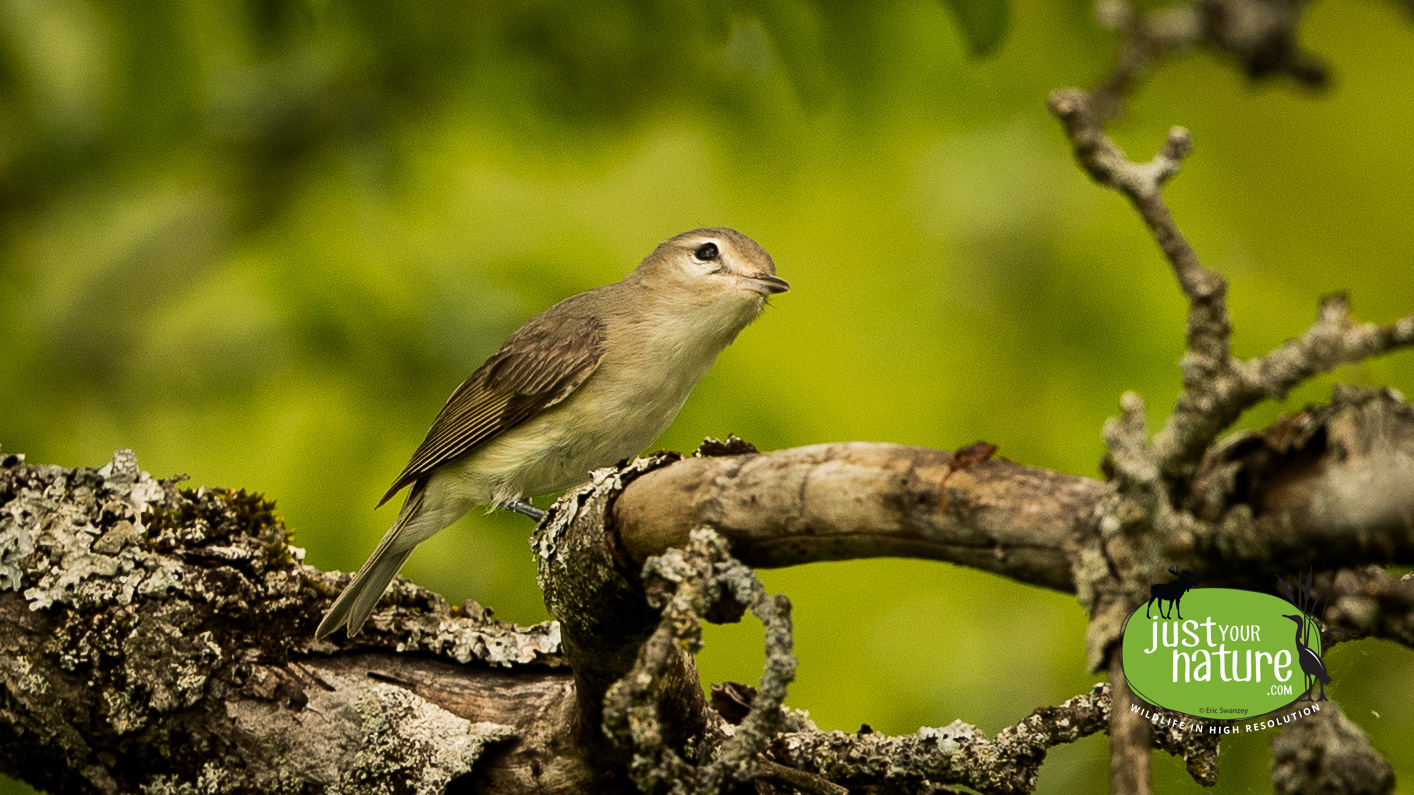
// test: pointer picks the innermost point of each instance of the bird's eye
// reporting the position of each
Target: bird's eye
(706, 252)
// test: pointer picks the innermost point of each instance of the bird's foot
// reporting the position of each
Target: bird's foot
(523, 508)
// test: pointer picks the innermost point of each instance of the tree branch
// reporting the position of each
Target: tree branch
(1371, 603)
(702, 580)
(858, 500)
(1258, 34)
(1216, 387)
(1325, 752)
(1130, 736)
(1166, 508)
(961, 754)
(132, 613)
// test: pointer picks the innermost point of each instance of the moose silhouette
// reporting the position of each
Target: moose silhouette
(1171, 592)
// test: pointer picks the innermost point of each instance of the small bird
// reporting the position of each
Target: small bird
(585, 384)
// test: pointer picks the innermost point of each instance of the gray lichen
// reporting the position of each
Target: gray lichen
(453, 637)
(212, 781)
(85, 529)
(148, 611)
(410, 747)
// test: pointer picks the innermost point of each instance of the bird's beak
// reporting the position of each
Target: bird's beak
(767, 284)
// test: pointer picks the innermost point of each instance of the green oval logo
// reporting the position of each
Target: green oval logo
(1231, 655)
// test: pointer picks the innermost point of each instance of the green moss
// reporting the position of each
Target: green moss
(224, 514)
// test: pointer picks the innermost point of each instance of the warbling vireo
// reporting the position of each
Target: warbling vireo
(587, 383)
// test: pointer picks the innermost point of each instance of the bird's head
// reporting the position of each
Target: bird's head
(712, 267)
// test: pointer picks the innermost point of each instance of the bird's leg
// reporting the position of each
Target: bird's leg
(523, 508)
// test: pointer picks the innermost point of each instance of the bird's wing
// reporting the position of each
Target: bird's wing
(539, 366)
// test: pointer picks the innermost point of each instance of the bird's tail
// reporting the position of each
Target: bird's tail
(355, 604)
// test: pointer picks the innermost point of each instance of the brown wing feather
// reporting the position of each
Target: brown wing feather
(539, 366)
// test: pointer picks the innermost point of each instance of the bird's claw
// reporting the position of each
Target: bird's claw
(524, 508)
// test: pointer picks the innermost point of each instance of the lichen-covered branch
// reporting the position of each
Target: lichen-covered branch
(699, 581)
(606, 621)
(1342, 471)
(132, 613)
(962, 754)
(1210, 406)
(1328, 753)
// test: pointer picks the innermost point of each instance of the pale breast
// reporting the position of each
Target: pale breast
(631, 398)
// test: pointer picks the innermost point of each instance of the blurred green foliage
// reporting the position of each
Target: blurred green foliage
(260, 242)
(981, 23)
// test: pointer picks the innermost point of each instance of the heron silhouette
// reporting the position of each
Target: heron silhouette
(1311, 664)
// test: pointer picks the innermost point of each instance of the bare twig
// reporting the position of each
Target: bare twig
(1130, 736)
(1148, 36)
(1209, 327)
(805, 782)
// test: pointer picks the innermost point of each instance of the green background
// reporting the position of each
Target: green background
(261, 242)
(1152, 675)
